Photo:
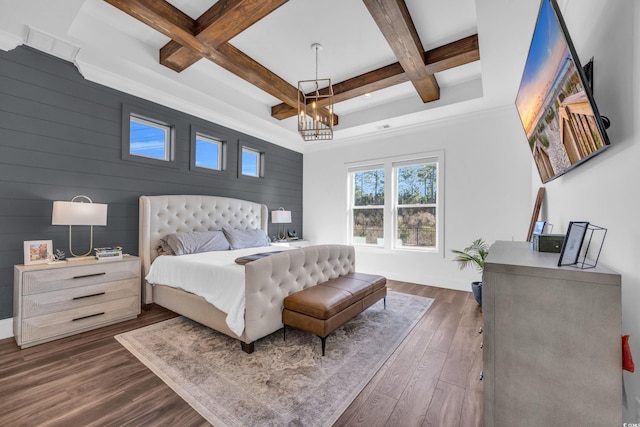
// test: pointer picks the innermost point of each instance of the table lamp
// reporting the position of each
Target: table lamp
(77, 212)
(281, 217)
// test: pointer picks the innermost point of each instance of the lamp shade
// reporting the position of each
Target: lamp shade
(78, 213)
(281, 217)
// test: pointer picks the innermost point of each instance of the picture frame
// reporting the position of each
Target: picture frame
(573, 243)
(539, 227)
(37, 251)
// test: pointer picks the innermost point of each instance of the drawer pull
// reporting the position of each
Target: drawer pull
(89, 296)
(86, 317)
(89, 275)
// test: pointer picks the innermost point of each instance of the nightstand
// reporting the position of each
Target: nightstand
(52, 301)
(292, 243)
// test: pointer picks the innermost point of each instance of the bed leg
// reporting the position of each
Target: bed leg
(247, 348)
(146, 307)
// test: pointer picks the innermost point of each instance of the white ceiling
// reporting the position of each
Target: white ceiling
(118, 51)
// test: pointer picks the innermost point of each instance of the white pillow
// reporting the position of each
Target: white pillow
(246, 238)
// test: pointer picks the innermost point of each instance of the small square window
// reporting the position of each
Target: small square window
(149, 139)
(209, 152)
(252, 162)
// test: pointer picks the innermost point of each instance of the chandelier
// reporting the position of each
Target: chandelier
(315, 106)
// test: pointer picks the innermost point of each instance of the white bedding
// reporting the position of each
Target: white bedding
(212, 275)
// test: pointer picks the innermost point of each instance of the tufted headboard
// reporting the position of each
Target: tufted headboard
(161, 215)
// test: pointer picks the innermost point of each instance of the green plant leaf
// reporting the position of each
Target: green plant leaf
(473, 255)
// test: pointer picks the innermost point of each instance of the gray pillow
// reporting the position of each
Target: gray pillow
(248, 238)
(194, 243)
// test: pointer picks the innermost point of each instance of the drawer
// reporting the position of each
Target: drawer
(67, 299)
(37, 281)
(56, 325)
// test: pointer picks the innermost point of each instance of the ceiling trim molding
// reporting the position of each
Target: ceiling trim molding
(270, 133)
(472, 112)
(459, 52)
(408, 130)
(208, 37)
(9, 41)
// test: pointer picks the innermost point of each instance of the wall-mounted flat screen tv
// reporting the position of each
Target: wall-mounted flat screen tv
(554, 101)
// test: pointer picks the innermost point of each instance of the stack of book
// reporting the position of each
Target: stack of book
(111, 252)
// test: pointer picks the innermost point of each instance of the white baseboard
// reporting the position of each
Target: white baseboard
(6, 328)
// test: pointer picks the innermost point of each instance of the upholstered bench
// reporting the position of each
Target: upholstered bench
(323, 308)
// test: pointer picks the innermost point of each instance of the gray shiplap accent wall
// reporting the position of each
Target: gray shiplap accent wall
(60, 136)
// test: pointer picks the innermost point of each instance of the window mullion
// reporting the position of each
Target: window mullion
(389, 201)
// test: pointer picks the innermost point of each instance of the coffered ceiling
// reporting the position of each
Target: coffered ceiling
(419, 60)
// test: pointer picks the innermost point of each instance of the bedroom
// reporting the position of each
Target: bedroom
(497, 206)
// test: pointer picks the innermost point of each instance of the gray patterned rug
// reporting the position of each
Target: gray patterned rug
(283, 383)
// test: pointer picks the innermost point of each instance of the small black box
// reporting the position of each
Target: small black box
(547, 242)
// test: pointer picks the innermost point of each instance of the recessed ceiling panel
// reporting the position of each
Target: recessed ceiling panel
(352, 43)
(439, 22)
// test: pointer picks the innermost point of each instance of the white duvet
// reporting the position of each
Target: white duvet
(212, 275)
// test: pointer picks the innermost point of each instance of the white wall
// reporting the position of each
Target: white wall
(491, 181)
(487, 182)
(604, 190)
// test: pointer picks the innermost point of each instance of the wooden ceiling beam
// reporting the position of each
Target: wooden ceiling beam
(394, 20)
(168, 20)
(219, 24)
(442, 58)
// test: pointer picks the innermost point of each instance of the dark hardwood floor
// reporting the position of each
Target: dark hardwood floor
(91, 380)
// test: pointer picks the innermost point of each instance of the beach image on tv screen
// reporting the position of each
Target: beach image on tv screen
(554, 108)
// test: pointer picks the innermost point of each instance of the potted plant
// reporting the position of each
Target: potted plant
(473, 256)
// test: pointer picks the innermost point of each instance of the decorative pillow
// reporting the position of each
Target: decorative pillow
(248, 238)
(194, 243)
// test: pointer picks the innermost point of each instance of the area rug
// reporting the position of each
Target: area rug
(284, 382)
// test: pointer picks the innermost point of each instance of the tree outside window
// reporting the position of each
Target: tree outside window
(397, 202)
(417, 196)
(368, 207)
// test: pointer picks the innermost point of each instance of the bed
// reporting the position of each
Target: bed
(267, 281)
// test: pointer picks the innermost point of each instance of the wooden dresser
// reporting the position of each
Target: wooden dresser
(51, 301)
(552, 348)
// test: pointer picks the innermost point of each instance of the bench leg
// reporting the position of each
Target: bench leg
(384, 301)
(284, 332)
(247, 348)
(324, 342)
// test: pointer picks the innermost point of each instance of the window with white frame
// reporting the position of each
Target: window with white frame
(252, 162)
(416, 202)
(209, 153)
(149, 138)
(403, 211)
(367, 206)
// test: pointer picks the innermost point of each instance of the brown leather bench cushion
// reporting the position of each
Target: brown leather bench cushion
(327, 299)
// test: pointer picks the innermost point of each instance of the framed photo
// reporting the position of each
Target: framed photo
(539, 227)
(37, 251)
(573, 243)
